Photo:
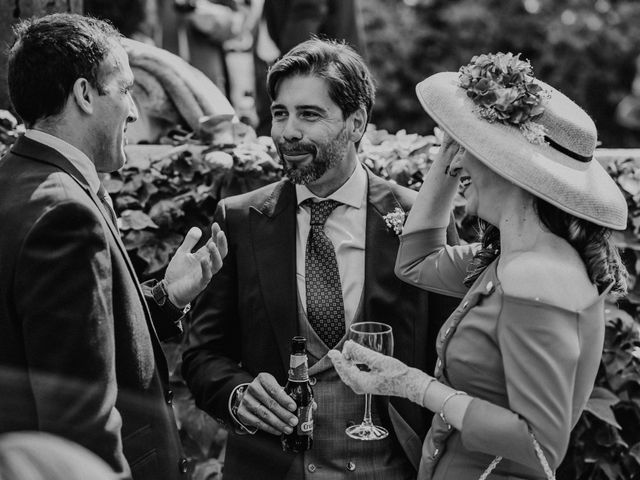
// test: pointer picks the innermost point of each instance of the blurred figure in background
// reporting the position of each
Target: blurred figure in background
(42, 456)
(137, 19)
(197, 30)
(286, 23)
(628, 110)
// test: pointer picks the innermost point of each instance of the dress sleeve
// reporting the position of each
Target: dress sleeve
(540, 352)
(426, 261)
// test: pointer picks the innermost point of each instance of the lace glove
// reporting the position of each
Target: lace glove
(385, 375)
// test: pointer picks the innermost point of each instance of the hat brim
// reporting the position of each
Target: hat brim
(583, 189)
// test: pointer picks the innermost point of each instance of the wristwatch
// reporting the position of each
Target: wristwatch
(161, 296)
(234, 403)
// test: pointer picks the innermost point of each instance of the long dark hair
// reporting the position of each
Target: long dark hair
(592, 242)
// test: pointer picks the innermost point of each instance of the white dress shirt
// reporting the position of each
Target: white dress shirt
(346, 228)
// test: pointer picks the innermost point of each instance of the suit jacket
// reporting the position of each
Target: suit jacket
(78, 352)
(242, 325)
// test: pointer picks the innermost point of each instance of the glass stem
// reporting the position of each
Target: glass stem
(367, 411)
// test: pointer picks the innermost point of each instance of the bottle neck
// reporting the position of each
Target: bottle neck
(298, 370)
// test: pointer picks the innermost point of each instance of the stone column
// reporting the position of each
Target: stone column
(13, 10)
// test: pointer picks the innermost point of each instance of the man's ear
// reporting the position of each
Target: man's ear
(83, 95)
(358, 125)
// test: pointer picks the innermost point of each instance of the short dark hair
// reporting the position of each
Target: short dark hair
(49, 54)
(350, 83)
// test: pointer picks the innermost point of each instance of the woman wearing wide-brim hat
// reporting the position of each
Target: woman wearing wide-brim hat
(518, 358)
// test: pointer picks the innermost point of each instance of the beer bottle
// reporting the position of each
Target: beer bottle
(298, 388)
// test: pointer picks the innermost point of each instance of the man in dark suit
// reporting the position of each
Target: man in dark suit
(267, 291)
(79, 354)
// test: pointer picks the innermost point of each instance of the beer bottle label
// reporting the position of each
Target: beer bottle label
(305, 420)
(298, 371)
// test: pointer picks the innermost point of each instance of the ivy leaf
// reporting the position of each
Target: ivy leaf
(600, 403)
(165, 212)
(157, 254)
(135, 220)
(630, 182)
(112, 184)
(134, 239)
(186, 166)
(202, 428)
(611, 470)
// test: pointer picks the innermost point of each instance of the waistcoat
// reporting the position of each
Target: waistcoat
(335, 456)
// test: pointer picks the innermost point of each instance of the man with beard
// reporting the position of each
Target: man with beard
(271, 289)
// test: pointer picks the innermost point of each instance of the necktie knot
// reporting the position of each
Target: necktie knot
(320, 211)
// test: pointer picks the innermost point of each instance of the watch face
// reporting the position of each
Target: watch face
(159, 293)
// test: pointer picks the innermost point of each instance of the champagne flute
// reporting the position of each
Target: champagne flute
(377, 337)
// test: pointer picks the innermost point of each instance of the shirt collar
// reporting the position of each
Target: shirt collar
(353, 193)
(77, 158)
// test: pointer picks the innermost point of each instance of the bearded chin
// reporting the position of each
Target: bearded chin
(307, 174)
(326, 158)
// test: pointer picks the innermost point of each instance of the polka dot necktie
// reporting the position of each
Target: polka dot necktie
(325, 307)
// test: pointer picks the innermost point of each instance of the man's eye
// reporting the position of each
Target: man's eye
(278, 113)
(310, 115)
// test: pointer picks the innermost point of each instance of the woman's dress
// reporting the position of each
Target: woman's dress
(526, 363)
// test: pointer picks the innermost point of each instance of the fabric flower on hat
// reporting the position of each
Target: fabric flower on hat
(503, 87)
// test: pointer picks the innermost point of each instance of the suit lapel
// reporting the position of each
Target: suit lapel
(381, 245)
(273, 234)
(37, 151)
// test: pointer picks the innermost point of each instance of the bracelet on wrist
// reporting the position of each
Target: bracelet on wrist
(444, 404)
(426, 389)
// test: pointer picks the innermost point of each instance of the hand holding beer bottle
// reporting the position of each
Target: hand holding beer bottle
(269, 407)
(266, 406)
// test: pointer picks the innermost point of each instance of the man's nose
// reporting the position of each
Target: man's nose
(292, 130)
(133, 111)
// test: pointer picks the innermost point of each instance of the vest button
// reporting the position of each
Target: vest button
(168, 396)
(313, 381)
(351, 466)
(311, 467)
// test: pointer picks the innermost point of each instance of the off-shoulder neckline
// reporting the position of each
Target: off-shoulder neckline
(488, 281)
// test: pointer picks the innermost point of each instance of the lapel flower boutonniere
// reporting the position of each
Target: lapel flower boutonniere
(395, 220)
